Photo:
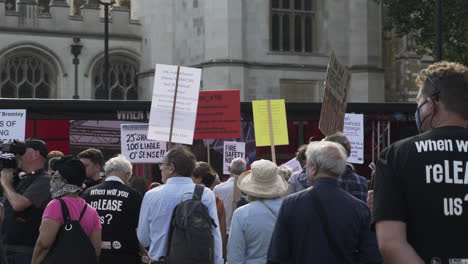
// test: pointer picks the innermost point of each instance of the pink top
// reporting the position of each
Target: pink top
(89, 222)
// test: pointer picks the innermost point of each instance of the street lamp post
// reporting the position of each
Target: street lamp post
(76, 51)
(106, 44)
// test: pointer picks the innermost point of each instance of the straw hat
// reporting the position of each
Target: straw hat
(263, 180)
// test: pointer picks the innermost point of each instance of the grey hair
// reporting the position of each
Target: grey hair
(284, 171)
(330, 157)
(118, 164)
(238, 166)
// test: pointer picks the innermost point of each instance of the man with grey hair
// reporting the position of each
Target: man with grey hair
(118, 206)
(303, 232)
(225, 191)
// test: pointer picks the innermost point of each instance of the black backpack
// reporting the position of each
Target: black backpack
(72, 245)
(190, 237)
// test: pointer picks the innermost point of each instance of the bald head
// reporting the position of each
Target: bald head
(328, 157)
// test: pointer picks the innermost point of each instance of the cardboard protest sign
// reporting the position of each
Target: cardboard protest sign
(12, 125)
(137, 148)
(218, 115)
(174, 104)
(334, 98)
(270, 123)
(231, 151)
(354, 131)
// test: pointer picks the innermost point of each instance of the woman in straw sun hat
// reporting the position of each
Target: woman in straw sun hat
(252, 224)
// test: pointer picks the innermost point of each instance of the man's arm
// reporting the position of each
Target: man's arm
(143, 230)
(209, 197)
(16, 200)
(393, 245)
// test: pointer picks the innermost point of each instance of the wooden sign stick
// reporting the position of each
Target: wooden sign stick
(170, 145)
(270, 127)
(208, 151)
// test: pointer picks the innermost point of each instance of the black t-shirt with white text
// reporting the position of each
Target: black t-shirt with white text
(423, 181)
(118, 207)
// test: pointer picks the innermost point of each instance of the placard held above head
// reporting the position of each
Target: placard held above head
(218, 115)
(137, 148)
(180, 85)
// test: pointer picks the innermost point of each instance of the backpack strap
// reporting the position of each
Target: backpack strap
(269, 208)
(65, 212)
(198, 193)
(332, 244)
(83, 211)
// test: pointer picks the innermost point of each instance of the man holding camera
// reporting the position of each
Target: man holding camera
(26, 194)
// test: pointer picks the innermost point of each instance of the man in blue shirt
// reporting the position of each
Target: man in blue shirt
(299, 235)
(350, 181)
(159, 203)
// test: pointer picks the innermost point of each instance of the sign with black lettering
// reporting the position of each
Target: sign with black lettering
(231, 151)
(137, 148)
(334, 98)
(354, 130)
(12, 125)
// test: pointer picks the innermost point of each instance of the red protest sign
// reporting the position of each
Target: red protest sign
(218, 115)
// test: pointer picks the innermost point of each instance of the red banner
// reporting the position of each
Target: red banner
(218, 115)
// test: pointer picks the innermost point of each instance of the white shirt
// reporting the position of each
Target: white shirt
(156, 213)
(225, 192)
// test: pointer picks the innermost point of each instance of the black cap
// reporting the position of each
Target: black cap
(38, 145)
(71, 169)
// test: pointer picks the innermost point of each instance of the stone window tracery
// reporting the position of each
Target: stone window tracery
(123, 81)
(26, 76)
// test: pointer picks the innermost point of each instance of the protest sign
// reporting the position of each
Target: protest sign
(270, 118)
(334, 98)
(12, 125)
(293, 164)
(137, 148)
(231, 151)
(218, 115)
(270, 124)
(174, 104)
(354, 131)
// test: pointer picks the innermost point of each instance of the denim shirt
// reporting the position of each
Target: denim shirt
(251, 229)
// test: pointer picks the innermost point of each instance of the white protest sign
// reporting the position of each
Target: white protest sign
(293, 164)
(12, 125)
(354, 131)
(137, 148)
(162, 104)
(231, 151)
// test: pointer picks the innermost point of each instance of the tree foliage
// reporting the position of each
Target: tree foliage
(418, 16)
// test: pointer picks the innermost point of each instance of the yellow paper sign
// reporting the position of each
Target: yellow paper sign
(270, 120)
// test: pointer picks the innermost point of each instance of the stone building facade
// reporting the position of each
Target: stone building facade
(268, 49)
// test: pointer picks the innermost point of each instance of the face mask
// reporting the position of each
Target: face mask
(417, 118)
(59, 188)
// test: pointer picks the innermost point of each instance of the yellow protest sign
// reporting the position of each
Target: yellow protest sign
(270, 123)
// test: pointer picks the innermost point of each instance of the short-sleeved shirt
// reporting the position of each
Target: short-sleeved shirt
(423, 181)
(90, 220)
(37, 191)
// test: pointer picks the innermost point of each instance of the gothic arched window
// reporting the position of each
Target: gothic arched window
(123, 82)
(26, 76)
(292, 25)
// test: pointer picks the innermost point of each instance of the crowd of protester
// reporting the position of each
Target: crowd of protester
(83, 209)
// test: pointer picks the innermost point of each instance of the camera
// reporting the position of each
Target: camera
(8, 161)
